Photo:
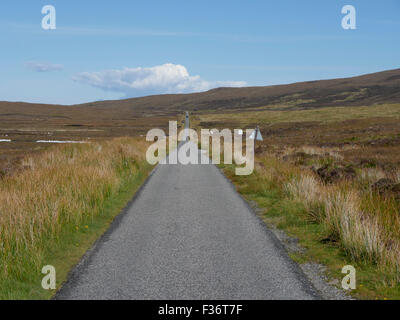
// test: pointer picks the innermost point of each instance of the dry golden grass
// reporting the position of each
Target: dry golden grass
(59, 191)
(306, 189)
(364, 224)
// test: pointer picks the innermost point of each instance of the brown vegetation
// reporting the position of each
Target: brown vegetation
(58, 193)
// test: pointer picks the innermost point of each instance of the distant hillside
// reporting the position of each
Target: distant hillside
(381, 87)
(25, 123)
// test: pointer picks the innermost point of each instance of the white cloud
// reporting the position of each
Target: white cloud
(43, 66)
(166, 78)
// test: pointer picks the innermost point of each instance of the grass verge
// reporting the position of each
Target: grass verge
(59, 205)
(307, 211)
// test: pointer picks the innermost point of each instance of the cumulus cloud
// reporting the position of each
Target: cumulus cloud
(43, 66)
(166, 78)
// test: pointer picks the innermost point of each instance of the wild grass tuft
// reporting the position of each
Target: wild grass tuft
(364, 224)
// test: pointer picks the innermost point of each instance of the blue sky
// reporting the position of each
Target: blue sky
(116, 49)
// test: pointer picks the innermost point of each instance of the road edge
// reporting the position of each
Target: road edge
(314, 273)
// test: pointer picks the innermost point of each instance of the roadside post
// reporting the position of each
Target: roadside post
(187, 125)
(256, 136)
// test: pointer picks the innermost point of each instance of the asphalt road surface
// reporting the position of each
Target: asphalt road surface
(187, 235)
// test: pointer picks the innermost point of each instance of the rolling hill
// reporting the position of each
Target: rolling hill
(381, 87)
